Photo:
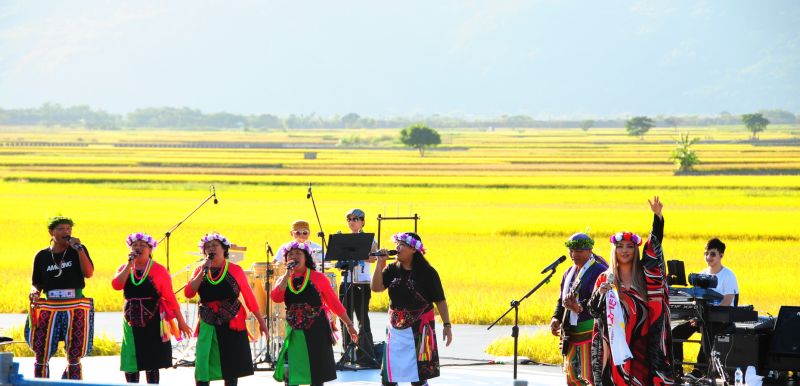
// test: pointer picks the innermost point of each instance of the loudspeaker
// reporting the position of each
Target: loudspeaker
(786, 336)
(741, 350)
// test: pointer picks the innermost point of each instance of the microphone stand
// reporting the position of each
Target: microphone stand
(168, 233)
(321, 233)
(515, 306)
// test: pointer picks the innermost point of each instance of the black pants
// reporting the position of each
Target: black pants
(356, 301)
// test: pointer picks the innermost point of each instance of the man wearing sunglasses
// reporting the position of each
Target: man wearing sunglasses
(300, 233)
(354, 293)
(727, 286)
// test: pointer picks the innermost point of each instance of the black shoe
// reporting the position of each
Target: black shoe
(693, 376)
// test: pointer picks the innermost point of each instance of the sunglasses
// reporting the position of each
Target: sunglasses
(354, 219)
(300, 232)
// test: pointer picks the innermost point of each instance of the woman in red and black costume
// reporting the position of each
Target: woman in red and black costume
(223, 349)
(150, 312)
(631, 344)
(308, 347)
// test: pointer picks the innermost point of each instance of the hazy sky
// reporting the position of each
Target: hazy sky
(548, 59)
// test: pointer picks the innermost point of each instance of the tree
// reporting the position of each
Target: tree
(419, 137)
(350, 120)
(683, 155)
(639, 126)
(755, 123)
(586, 124)
(672, 121)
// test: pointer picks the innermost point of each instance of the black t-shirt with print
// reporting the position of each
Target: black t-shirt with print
(45, 270)
(425, 281)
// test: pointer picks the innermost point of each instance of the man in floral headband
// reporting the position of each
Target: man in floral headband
(59, 273)
(571, 319)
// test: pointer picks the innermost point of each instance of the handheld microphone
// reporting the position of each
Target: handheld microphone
(132, 255)
(555, 264)
(74, 245)
(214, 193)
(610, 279)
(388, 253)
(209, 258)
(290, 265)
(309, 191)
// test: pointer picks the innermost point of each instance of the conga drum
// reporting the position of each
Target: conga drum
(277, 311)
(259, 286)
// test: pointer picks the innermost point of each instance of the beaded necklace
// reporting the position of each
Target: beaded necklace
(218, 279)
(305, 282)
(144, 274)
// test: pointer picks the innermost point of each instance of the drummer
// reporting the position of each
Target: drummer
(300, 232)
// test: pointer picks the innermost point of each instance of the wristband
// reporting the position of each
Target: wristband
(447, 325)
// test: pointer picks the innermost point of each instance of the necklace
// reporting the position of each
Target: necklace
(218, 279)
(53, 257)
(305, 282)
(144, 274)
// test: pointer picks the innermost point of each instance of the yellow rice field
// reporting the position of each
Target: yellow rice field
(495, 206)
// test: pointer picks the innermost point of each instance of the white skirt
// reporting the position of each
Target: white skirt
(401, 355)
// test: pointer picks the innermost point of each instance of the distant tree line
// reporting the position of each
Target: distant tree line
(54, 114)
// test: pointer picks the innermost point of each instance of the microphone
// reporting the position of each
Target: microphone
(610, 279)
(555, 264)
(132, 255)
(388, 253)
(309, 191)
(74, 245)
(214, 193)
(209, 258)
(290, 265)
(269, 250)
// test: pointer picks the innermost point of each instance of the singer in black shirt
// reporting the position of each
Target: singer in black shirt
(59, 271)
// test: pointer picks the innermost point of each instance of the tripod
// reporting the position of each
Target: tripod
(515, 306)
(350, 359)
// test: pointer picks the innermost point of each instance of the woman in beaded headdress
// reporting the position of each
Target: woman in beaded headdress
(414, 287)
(309, 339)
(223, 349)
(150, 311)
(631, 344)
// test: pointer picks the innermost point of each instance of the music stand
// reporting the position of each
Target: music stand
(676, 273)
(349, 247)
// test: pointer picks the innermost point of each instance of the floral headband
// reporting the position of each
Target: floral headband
(296, 245)
(411, 241)
(619, 236)
(213, 236)
(134, 237)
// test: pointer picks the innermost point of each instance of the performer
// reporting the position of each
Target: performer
(571, 319)
(414, 287)
(67, 315)
(728, 287)
(300, 232)
(631, 342)
(150, 311)
(354, 292)
(308, 344)
(223, 350)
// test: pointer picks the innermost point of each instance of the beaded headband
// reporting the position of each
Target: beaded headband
(619, 236)
(213, 236)
(411, 241)
(139, 236)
